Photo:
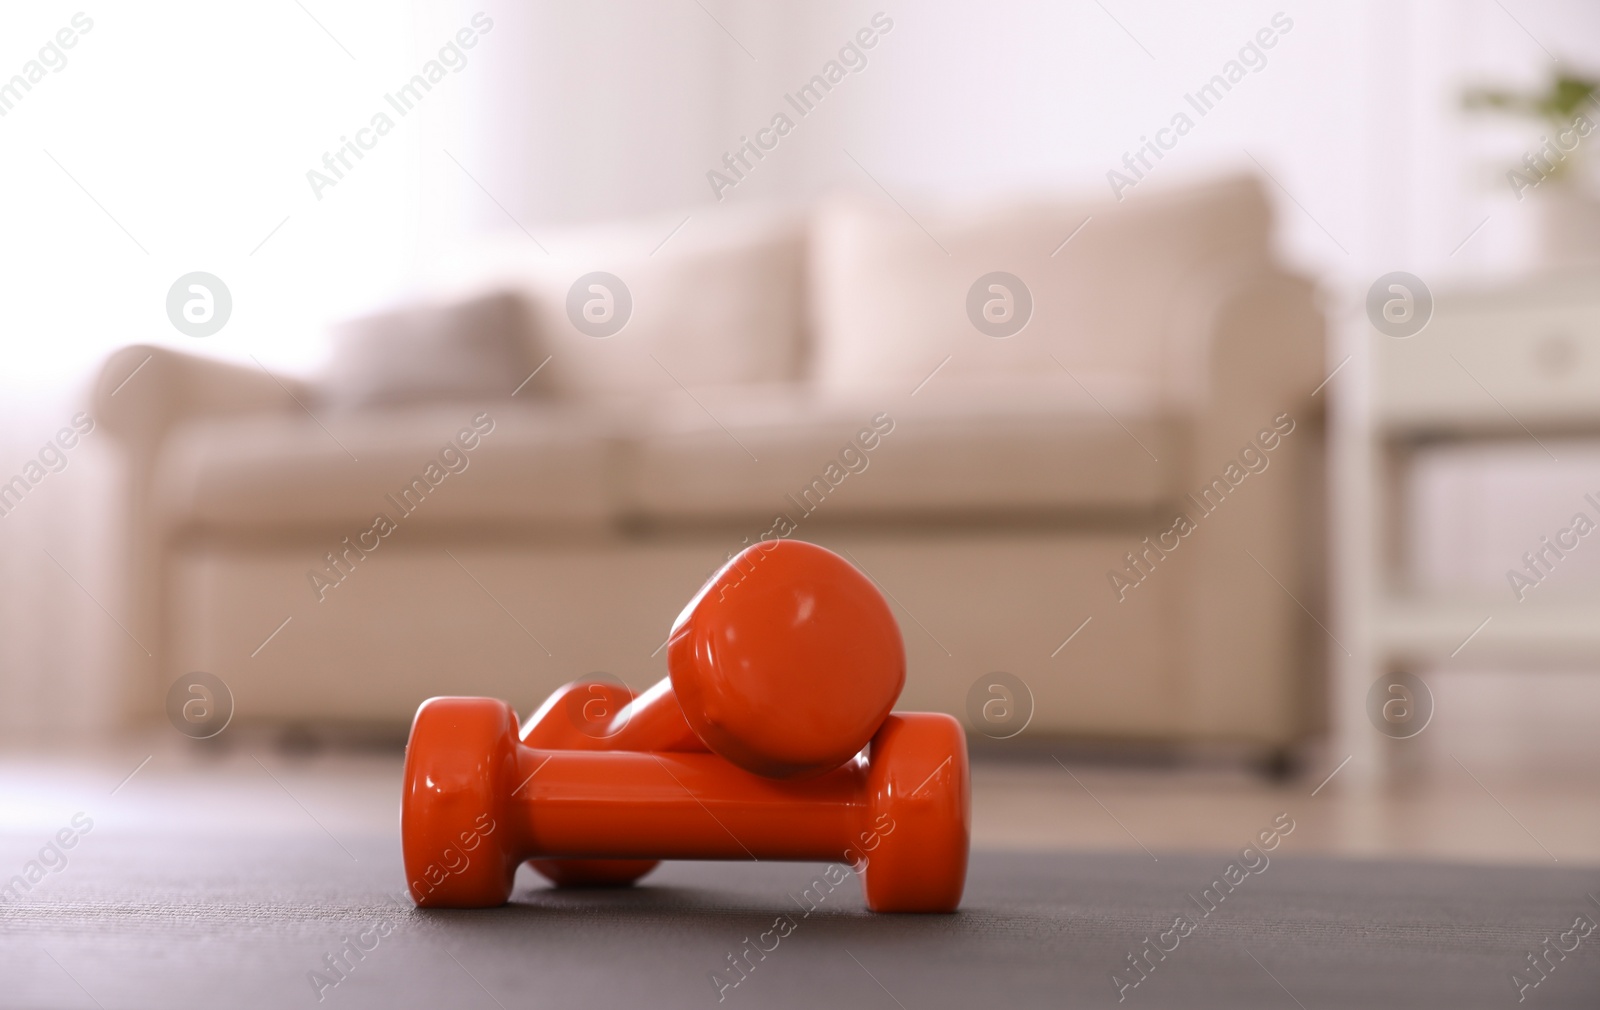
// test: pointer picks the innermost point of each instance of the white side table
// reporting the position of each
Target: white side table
(1518, 363)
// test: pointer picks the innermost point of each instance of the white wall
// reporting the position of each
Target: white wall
(622, 107)
(193, 127)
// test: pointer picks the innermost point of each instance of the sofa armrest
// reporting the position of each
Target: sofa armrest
(142, 392)
(1251, 655)
(1250, 330)
(1268, 340)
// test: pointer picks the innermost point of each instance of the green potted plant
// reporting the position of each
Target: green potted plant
(1554, 169)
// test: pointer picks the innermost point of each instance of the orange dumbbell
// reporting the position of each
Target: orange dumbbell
(478, 802)
(786, 662)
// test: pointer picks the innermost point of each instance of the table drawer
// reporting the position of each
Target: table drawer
(1504, 362)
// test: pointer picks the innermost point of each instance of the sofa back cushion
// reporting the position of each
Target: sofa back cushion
(718, 301)
(477, 348)
(894, 296)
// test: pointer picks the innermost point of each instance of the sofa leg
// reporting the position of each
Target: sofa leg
(1278, 765)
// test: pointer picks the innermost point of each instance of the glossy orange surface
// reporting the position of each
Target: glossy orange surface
(812, 592)
(601, 715)
(787, 661)
(595, 714)
(478, 801)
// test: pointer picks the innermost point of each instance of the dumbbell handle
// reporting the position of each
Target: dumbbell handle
(624, 805)
(653, 721)
(586, 715)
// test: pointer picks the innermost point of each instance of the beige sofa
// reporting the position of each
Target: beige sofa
(336, 556)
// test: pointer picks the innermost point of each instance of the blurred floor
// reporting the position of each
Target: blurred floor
(1443, 813)
(1439, 816)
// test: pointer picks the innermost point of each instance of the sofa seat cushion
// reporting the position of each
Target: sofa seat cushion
(522, 464)
(748, 453)
(960, 447)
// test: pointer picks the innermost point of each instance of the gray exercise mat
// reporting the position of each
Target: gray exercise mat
(139, 921)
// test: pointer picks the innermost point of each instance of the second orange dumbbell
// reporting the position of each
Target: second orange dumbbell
(785, 662)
